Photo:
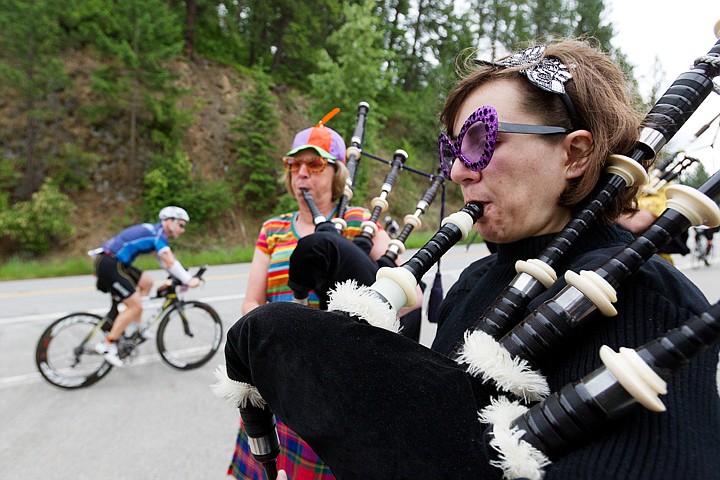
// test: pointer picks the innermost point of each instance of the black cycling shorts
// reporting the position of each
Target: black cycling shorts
(114, 277)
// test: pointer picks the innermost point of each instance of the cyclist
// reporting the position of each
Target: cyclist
(709, 234)
(117, 275)
(704, 249)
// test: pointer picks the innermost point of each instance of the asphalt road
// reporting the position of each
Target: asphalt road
(146, 421)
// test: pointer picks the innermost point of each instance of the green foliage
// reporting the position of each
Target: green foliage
(137, 37)
(72, 168)
(397, 55)
(285, 37)
(254, 174)
(695, 177)
(9, 174)
(30, 41)
(41, 223)
(588, 16)
(168, 123)
(357, 68)
(217, 33)
(170, 182)
(286, 203)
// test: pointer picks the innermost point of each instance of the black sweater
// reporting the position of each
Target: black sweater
(683, 442)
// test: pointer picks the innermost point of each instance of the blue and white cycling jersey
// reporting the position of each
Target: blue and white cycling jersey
(135, 240)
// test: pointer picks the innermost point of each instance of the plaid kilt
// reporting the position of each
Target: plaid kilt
(296, 458)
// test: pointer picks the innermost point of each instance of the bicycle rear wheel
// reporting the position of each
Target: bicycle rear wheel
(65, 354)
(189, 335)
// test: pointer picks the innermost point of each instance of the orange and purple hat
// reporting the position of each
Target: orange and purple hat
(325, 141)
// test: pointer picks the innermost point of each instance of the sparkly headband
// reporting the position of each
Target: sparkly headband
(547, 73)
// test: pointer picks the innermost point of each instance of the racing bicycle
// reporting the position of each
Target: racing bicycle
(189, 333)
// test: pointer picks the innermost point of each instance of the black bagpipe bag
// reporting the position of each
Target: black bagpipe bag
(325, 258)
(371, 403)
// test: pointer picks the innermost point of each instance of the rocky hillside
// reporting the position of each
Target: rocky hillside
(112, 186)
(213, 98)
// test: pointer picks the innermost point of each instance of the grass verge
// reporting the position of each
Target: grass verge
(19, 268)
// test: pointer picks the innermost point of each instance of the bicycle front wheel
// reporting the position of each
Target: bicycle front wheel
(189, 335)
(65, 354)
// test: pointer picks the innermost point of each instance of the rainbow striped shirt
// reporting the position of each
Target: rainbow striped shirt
(278, 239)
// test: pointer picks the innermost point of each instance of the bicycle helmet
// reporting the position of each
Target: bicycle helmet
(174, 212)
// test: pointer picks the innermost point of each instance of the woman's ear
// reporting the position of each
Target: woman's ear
(578, 146)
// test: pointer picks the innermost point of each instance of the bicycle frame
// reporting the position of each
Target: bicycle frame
(72, 360)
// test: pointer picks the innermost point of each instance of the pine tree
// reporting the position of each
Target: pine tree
(138, 37)
(30, 42)
(254, 174)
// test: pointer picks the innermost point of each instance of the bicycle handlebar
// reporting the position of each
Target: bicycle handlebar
(164, 290)
(201, 271)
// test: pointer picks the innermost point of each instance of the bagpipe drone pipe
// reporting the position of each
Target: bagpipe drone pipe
(661, 175)
(667, 173)
(524, 441)
(663, 121)
(353, 156)
(373, 404)
(652, 195)
(513, 361)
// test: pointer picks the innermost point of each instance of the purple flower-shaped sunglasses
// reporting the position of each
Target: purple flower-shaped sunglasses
(475, 143)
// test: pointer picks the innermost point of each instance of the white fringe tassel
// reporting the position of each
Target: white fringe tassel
(516, 457)
(486, 358)
(364, 303)
(236, 393)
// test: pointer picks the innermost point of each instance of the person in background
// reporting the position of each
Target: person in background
(315, 162)
(117, 275)
(710, 234)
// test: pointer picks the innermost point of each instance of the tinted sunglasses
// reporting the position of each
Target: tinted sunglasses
(475, 143)
(314, 164)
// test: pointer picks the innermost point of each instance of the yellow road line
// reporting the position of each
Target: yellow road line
(90, 288)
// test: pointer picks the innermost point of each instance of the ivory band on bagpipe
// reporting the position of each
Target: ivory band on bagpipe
(525, 442)
(531, 343)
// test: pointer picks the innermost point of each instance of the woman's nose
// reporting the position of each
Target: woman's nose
(303, 170)
(460, 173)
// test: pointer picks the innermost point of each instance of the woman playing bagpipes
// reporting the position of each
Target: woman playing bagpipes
(528, 138)
(315, 164)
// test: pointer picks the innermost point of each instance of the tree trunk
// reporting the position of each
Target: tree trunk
(191, 14)
(411, 73)
(133, 130)
(284, 24)
(33, 174)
